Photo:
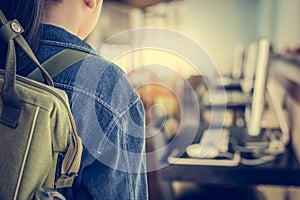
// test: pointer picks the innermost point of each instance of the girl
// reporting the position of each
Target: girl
(108, 113)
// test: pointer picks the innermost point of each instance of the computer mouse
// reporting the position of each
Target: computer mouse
(198, 151)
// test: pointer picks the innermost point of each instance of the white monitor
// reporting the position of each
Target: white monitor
(238, 59)
(249, 69)
(259, 91)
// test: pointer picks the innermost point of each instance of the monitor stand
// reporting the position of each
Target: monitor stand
(277, 137)
(256, 142)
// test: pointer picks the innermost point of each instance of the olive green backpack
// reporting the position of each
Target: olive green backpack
(36, 124)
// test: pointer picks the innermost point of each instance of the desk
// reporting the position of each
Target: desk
(284, 170)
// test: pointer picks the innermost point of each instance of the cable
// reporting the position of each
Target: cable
(257, 161)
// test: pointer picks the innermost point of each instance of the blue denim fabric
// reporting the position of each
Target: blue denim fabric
(110, 120)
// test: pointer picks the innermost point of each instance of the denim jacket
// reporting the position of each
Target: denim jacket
(110, 120)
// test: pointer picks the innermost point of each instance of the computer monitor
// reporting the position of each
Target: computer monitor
(233, 79)
(243, 95)
(259, 90)
(249, 69)
(238, 59)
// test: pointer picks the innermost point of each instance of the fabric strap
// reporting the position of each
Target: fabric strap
(10, 33)
(58, 63)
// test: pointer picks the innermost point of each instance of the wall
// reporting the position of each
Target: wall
(280, 22)
(219, 25)
(216, 25)
(287, 25)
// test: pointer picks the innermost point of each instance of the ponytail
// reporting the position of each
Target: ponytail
(29, 13)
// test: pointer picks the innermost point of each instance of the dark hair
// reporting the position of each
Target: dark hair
(30, 13)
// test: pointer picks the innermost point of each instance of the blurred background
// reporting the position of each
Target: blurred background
(217, 26)
(223, 29)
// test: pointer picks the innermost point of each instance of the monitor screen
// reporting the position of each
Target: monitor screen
(259, 91)
(238, 59)
(249, 69)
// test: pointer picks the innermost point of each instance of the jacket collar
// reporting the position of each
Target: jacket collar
(61, 37)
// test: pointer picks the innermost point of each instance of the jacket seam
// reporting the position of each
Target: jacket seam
(111, 124)
(63, 44)
(127, 162)
(107, 132)
(95, 97)
(117, 115)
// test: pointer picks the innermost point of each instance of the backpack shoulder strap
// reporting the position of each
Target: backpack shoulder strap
(58, 63)
(55, 65)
